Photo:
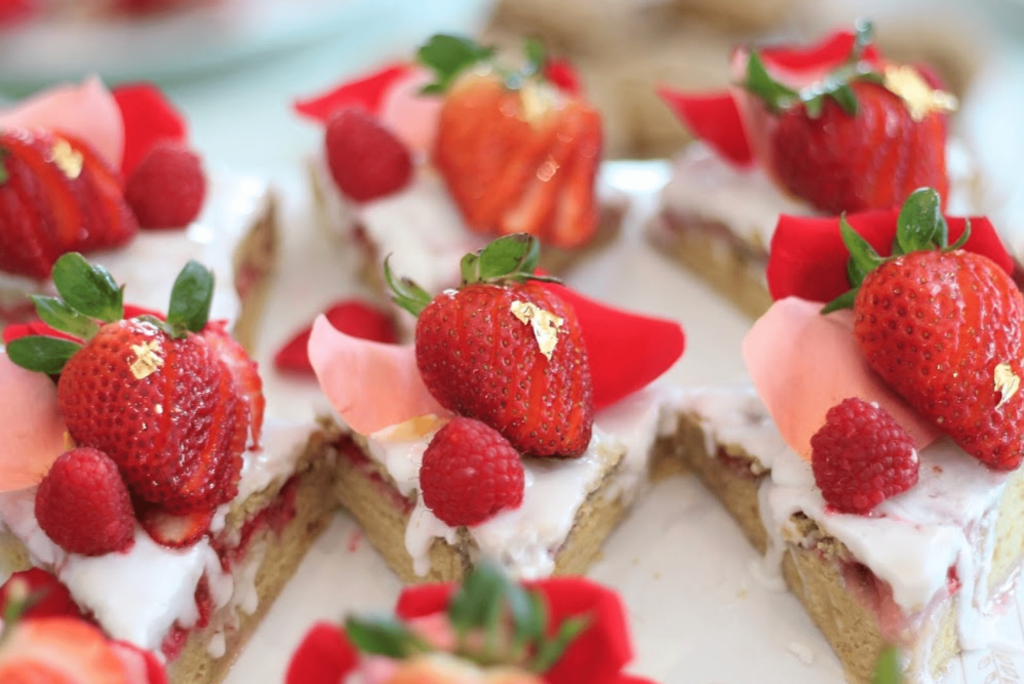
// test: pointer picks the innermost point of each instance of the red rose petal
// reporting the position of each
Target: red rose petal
(148, 117)
(598, 654)
(366, 92)
(325, 656)
(563, 74)
(424, 599)
(54, 598)
(808, 258)
(829, 53)
(133, 311)
(713, 118)
(613, 336)
(351, 317)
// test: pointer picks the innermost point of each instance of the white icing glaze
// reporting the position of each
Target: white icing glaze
(139, 595)
(148, 265)
(749, 204)
(910, 541)
(527, 540)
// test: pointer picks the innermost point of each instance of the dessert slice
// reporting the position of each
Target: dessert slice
(515, 429)
(145, 480)
(877, 463)
(64, 156)
(822, 130)
(429, 161)
(489, 629)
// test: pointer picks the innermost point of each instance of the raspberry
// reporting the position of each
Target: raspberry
(365, 159)
(83, 505)
(469, 473)
(167, 188)
(862, 456)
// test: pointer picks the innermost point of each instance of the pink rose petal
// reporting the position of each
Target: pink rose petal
(32, 429)
(803, 364)
(408, 114)
(87, 111)
(370, 384)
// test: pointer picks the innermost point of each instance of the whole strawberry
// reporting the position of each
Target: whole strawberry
(518, 154)
(942, 327)
(863, 136)
(469, 473)
(862, 456)
(154, 395)
(83, 505)
(506, 351)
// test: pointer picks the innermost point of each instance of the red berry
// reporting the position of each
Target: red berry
(862, 456)
(167, 188)
(83, 505)
(54, 599)
(365, 159)
(469, 473)
(174, 531)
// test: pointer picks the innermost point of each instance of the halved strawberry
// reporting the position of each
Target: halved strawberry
(58, 649)
(174, 531)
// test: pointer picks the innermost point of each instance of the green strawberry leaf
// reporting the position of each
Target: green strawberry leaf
(529, 616)
(88, 288)
(863, 257)
(777, 96)
(383, 635)
(191, 297)
(888, 669)
(921, 224)
(41, 353)
(448, 56)
(405, 293)
(480, 600)
(964, 237)
(843, 301)
(536, 57)
(56, 313)
(549, 651)
(4, 173)
(512, 257)
(863, 36)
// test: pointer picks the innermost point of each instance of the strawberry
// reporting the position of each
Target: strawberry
(57, 649)
(57, 195)
(863, 136)
(365, 159)
(175, 531)
(505, 350)
(245, 374)
(167, 188)
(48, 597)
(154, 395)
(469, 473)
(862, 456)
(83, 505)
(943, 328)
(517, 153)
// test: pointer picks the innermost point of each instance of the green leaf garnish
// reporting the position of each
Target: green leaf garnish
(921, 224)
(41, 353)
(778, 96)
(404, 292)
(888, 669)
(863, 36)
(191, 297)
(535, 56)
(88, 288)
(513, 257)
(56, 313)
(551, 650)
(863, 257)
(384, 635)
(448, 56)
(479, 601)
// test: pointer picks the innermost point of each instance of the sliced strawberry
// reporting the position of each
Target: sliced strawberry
(141, 666)
(352, 317)
(244, 372)
(577, 215)
(366, 92)
(148, 117)
(52, 598)
(119, 225)
(174, 531)
(58, 649)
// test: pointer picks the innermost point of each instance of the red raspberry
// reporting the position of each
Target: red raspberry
(83, 505)
(167, 188)
(862, 456)
(469, 473)
(54, 599)
(365, 159)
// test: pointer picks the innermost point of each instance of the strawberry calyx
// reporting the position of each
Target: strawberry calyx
(496, 622)
(449, 56)
(835, 85)
(919, 227)
(512, 258)
(88, 297)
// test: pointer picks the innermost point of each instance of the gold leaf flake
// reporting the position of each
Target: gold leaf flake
(544, 323)
(1006, 383)
(147, 361)
(921, 99)
(67, 159)
(69, 441)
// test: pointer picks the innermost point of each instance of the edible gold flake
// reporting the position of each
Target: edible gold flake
(147, 361)
(1006, 383)
(544, 323)
(537, 101)
(69, 441)
(921, 99)
(67, 159)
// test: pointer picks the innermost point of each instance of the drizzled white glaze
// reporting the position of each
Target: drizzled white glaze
(910, 541)
(139, 595)
(527, 540)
